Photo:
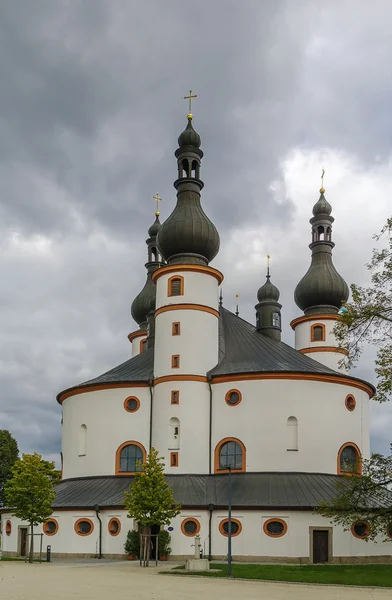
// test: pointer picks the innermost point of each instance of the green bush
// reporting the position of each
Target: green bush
(132, 543)
(164, 539)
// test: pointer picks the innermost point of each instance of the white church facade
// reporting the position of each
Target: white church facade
(211, 391)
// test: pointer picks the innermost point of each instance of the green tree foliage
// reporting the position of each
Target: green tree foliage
(150, 500)
(29, 493)
(9, 454)
(368, 317)
(364, 498)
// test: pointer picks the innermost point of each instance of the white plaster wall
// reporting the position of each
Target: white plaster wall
(199, 288)
(136, 344)
(252, 541)
(329, 359)
(260, 422)
(197, 343)
(303, 340)
(193, 415)
(108, 426)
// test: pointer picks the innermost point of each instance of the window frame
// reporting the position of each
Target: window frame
(218, 447)
(44, 525)
(185, 521)
(360, 537)
(323, 333)
(126, 402)
(359, 458)
(226, 520)
(143, 345)
(346, 402)
(275, 520)
(8, 528)
(172, 396)
(118, 456)
(176, 324)
(169, 286)
(111, 520)
(227, 396)
(174, 459)
(173, 360)
(77, 524)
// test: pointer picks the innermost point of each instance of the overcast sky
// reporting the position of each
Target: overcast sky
(90, 110)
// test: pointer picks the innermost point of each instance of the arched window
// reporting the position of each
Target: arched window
(317, 332)
(174, 434)
(83, 440)
(175, 286)
(230, 452)
(349, 460)
(143, 346)
(129, 458)
(292, 433)
(275, 319)
(320, 232)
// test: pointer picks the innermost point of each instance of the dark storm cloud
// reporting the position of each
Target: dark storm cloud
(90, 110)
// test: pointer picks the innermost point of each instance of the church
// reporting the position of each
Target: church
(219, 398)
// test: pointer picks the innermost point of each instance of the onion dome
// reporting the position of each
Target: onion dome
(144, 302)
(322, 289)
(268, 316)
(188, 236)
(268, 291)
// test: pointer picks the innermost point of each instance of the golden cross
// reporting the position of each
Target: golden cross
(190, 98)
(268, 265)
(157, 199)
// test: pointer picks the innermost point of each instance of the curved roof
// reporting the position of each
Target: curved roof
(266, 490)
(242, 350)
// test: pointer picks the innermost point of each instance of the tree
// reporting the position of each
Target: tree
(365, 498)
(29, 493)
(150, 500)
(368, 317)
(9, 454)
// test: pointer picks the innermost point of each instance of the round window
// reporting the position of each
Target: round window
(131, 404)
(275, 527)
(236, 527)
(190, 527)
(51, 527)
(8, 528)
(233, 397)
(114, 526)
(360, 529)
(350, 403)
(84, 527)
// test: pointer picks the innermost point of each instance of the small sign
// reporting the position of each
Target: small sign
(170, 528)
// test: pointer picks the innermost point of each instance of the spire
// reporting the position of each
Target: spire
(144, 303)
(237, 307)
(268, 315)
(220, 297)
(188, 236)
(322, 289)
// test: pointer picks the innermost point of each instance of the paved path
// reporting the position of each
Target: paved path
(127, 581)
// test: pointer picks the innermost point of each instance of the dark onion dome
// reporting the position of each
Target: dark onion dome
(155, 227)
(188, 236)
(322, 206)
(268, 292)
(322, 289)
(189, 137)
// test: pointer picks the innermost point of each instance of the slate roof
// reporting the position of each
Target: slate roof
(242, 349)
(295, 491)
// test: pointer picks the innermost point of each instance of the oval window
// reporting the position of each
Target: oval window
(131, 404)
(8, 528)
(84, 527)
(275, 527)
(236, 527)
(190, 527)
(114, 526)
(233, 397)
(360, 529)
(50, 527)
(350, 403)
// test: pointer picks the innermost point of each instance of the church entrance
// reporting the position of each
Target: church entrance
(320, 540)
(22, 541)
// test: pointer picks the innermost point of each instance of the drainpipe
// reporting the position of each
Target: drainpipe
(210, 428)
(150, 383)
(96, 508)
(211, 508)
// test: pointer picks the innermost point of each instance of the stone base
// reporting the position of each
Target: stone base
(197, 564)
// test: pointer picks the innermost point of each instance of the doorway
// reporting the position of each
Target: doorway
(321, 546)
(22, 540)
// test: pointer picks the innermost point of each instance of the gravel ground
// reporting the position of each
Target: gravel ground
(125, 581)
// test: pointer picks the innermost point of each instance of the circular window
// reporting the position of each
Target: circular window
(360, 529)
(50, 527)
(275, 527)
(131, 404)
(233, 397)
(84, 526)
(190, 527)
(350, 403)
(236, 527)
(114, 526)
(8, 528)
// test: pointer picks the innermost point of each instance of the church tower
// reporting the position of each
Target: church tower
(186, 319)
(144, 303)
(320, 293)
(268, 316)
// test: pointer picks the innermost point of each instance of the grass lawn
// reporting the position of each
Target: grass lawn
(372, 575)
